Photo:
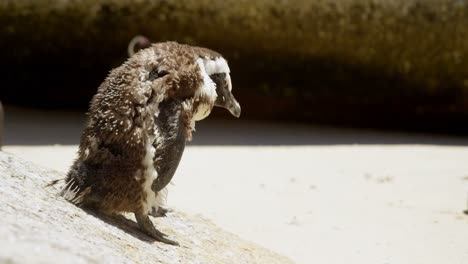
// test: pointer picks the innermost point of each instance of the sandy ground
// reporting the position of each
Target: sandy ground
(314, 194)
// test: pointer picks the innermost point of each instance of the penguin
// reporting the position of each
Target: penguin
(138, 123)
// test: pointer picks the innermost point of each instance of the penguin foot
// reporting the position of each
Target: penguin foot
(160, 212)
(145, 224)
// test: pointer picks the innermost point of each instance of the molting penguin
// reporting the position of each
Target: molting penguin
(138, 123)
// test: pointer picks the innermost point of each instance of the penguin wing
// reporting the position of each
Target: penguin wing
(170, 142)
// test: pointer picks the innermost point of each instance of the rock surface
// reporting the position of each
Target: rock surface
(39, 227)
(1, 124)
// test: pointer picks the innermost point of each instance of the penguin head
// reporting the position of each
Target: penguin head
(187, 73)
(216, 73)
(225, 98)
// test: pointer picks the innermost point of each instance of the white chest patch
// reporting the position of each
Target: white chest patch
(149, 175)
(202, 112)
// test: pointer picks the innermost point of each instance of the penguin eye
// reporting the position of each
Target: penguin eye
(218, 77)
(155, 74)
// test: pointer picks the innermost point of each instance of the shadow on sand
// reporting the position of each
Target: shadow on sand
(128, 226)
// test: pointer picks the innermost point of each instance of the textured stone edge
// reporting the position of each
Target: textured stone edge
(37, 226)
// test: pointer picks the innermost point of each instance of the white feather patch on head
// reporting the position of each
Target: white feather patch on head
(218, 65)
(228, 79)
(208, 87)
(207, 90)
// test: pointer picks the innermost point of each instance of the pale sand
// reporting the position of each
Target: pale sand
(314, 194)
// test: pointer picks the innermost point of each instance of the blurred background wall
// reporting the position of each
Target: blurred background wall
(399, 64)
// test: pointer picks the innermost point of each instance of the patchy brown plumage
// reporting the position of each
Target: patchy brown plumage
(125, 136)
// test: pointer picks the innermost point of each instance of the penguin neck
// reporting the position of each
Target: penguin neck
(195, 109)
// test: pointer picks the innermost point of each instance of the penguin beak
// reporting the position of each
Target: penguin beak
(225, 97)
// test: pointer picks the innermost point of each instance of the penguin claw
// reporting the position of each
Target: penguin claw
(145, 224)
(161, 212)
(161, 238)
